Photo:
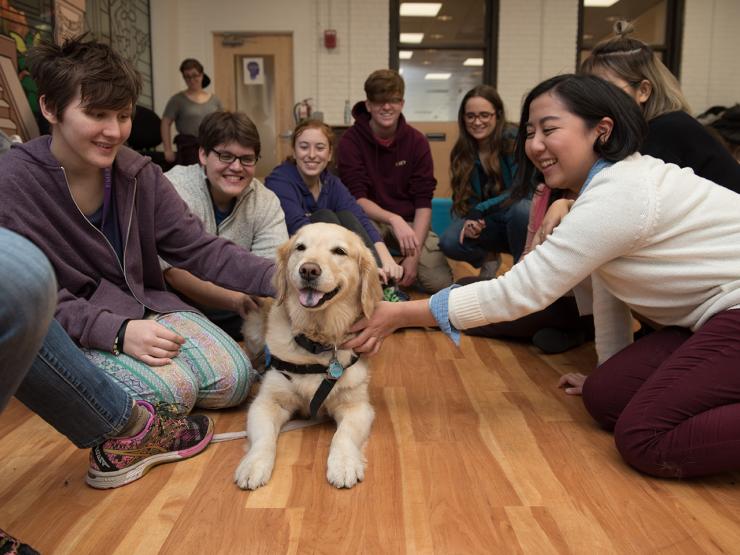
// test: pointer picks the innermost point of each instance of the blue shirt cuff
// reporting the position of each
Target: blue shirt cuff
(438, 305)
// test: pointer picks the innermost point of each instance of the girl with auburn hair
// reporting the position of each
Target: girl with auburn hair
(654, 239)
(309, 193)
(482, 171)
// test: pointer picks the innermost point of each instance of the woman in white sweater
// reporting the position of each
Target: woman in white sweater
(655, 239)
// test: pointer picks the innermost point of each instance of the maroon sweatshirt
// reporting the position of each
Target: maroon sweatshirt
(96, 292)
(398, 178)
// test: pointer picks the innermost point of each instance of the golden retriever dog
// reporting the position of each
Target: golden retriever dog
(326, 279)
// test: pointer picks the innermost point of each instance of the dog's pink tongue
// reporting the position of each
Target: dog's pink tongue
(309, 297)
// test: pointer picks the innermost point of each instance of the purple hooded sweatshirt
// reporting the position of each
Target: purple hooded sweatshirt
(96, 292)
(398, 178)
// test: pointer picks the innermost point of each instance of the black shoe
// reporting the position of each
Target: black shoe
(12, 546)
(552, 341)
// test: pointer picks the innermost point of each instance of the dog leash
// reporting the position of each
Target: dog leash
(287, 427)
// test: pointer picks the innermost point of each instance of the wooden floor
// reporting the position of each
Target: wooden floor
(473, 450)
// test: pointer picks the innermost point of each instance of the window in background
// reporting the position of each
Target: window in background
(442, 53)
(658, 23)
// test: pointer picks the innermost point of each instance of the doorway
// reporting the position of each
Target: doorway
(254, 74)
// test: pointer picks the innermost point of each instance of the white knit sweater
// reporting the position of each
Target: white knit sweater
(655, 238)
(256, 223)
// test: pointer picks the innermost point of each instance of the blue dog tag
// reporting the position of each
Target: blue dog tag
(335, 369)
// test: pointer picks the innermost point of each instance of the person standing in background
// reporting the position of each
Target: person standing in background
(187, 109)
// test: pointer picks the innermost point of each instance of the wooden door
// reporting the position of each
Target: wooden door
(254, 74)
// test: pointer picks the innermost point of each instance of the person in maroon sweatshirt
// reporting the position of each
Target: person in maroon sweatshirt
(387, 165)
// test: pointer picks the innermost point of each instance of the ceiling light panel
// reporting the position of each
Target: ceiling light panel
(437, 76)
(473, 62)
(598, 3)
(420, 9)
(412, 38)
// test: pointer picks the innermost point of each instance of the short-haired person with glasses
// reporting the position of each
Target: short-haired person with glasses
(387, 165)
(104, 215)
(485, 221)
(223, 192)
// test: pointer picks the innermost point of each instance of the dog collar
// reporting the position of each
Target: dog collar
(312, 346)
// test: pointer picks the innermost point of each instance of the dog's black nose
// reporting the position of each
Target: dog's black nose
(309, 271)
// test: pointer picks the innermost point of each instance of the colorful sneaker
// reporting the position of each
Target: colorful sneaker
(393, 294)
(166, 437)
(11, 546)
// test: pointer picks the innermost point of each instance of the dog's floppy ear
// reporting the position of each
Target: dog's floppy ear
(371, 291)
(280, 279)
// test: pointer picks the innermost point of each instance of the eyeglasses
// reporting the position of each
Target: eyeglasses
(394, 101)
(191, 76)
(248, 160)
(484, 117)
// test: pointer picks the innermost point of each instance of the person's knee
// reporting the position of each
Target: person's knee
(639, 447)
(348, 219)
(324, 215)
(596, 395)
(436, 278)
(42, 285)
(519, 213)
(232, 386)
(28, 281)
(449, 242)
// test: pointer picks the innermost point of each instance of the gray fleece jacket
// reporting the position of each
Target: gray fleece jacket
(257, 221)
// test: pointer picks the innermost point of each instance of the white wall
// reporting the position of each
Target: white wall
(537, 40)
(710, 68)
(184, 29)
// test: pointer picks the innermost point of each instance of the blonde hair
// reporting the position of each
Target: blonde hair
(634, 61)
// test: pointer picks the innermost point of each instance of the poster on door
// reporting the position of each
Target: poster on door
(254, 71)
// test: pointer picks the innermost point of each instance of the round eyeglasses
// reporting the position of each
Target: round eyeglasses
(484, 117)
(248, 160)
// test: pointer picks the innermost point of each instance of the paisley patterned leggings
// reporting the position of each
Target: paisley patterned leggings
(210, 372)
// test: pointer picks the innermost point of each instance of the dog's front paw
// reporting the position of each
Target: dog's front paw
(344, 470)
(254, 471)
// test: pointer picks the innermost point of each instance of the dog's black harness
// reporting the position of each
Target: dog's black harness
(333, 371)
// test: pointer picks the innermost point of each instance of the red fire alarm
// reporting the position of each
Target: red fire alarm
(330, 38)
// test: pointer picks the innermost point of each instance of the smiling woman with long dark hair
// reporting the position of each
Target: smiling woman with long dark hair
(482, 170)
(656, 240)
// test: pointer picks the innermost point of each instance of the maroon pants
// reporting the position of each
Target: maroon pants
(672, 399)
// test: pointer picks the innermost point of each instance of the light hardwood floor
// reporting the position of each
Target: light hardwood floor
(473, 450)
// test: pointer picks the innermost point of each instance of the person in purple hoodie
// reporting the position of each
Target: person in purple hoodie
(308, 193)
(387, 165)
(103, 214)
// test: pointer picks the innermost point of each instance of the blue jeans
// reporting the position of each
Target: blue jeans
(505, 231)
(56, 380)
(27, 300)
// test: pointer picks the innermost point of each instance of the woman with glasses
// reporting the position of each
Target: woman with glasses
(103, 215)
(309, 193)
(223, 192)
(485, 222)
(187, 109)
